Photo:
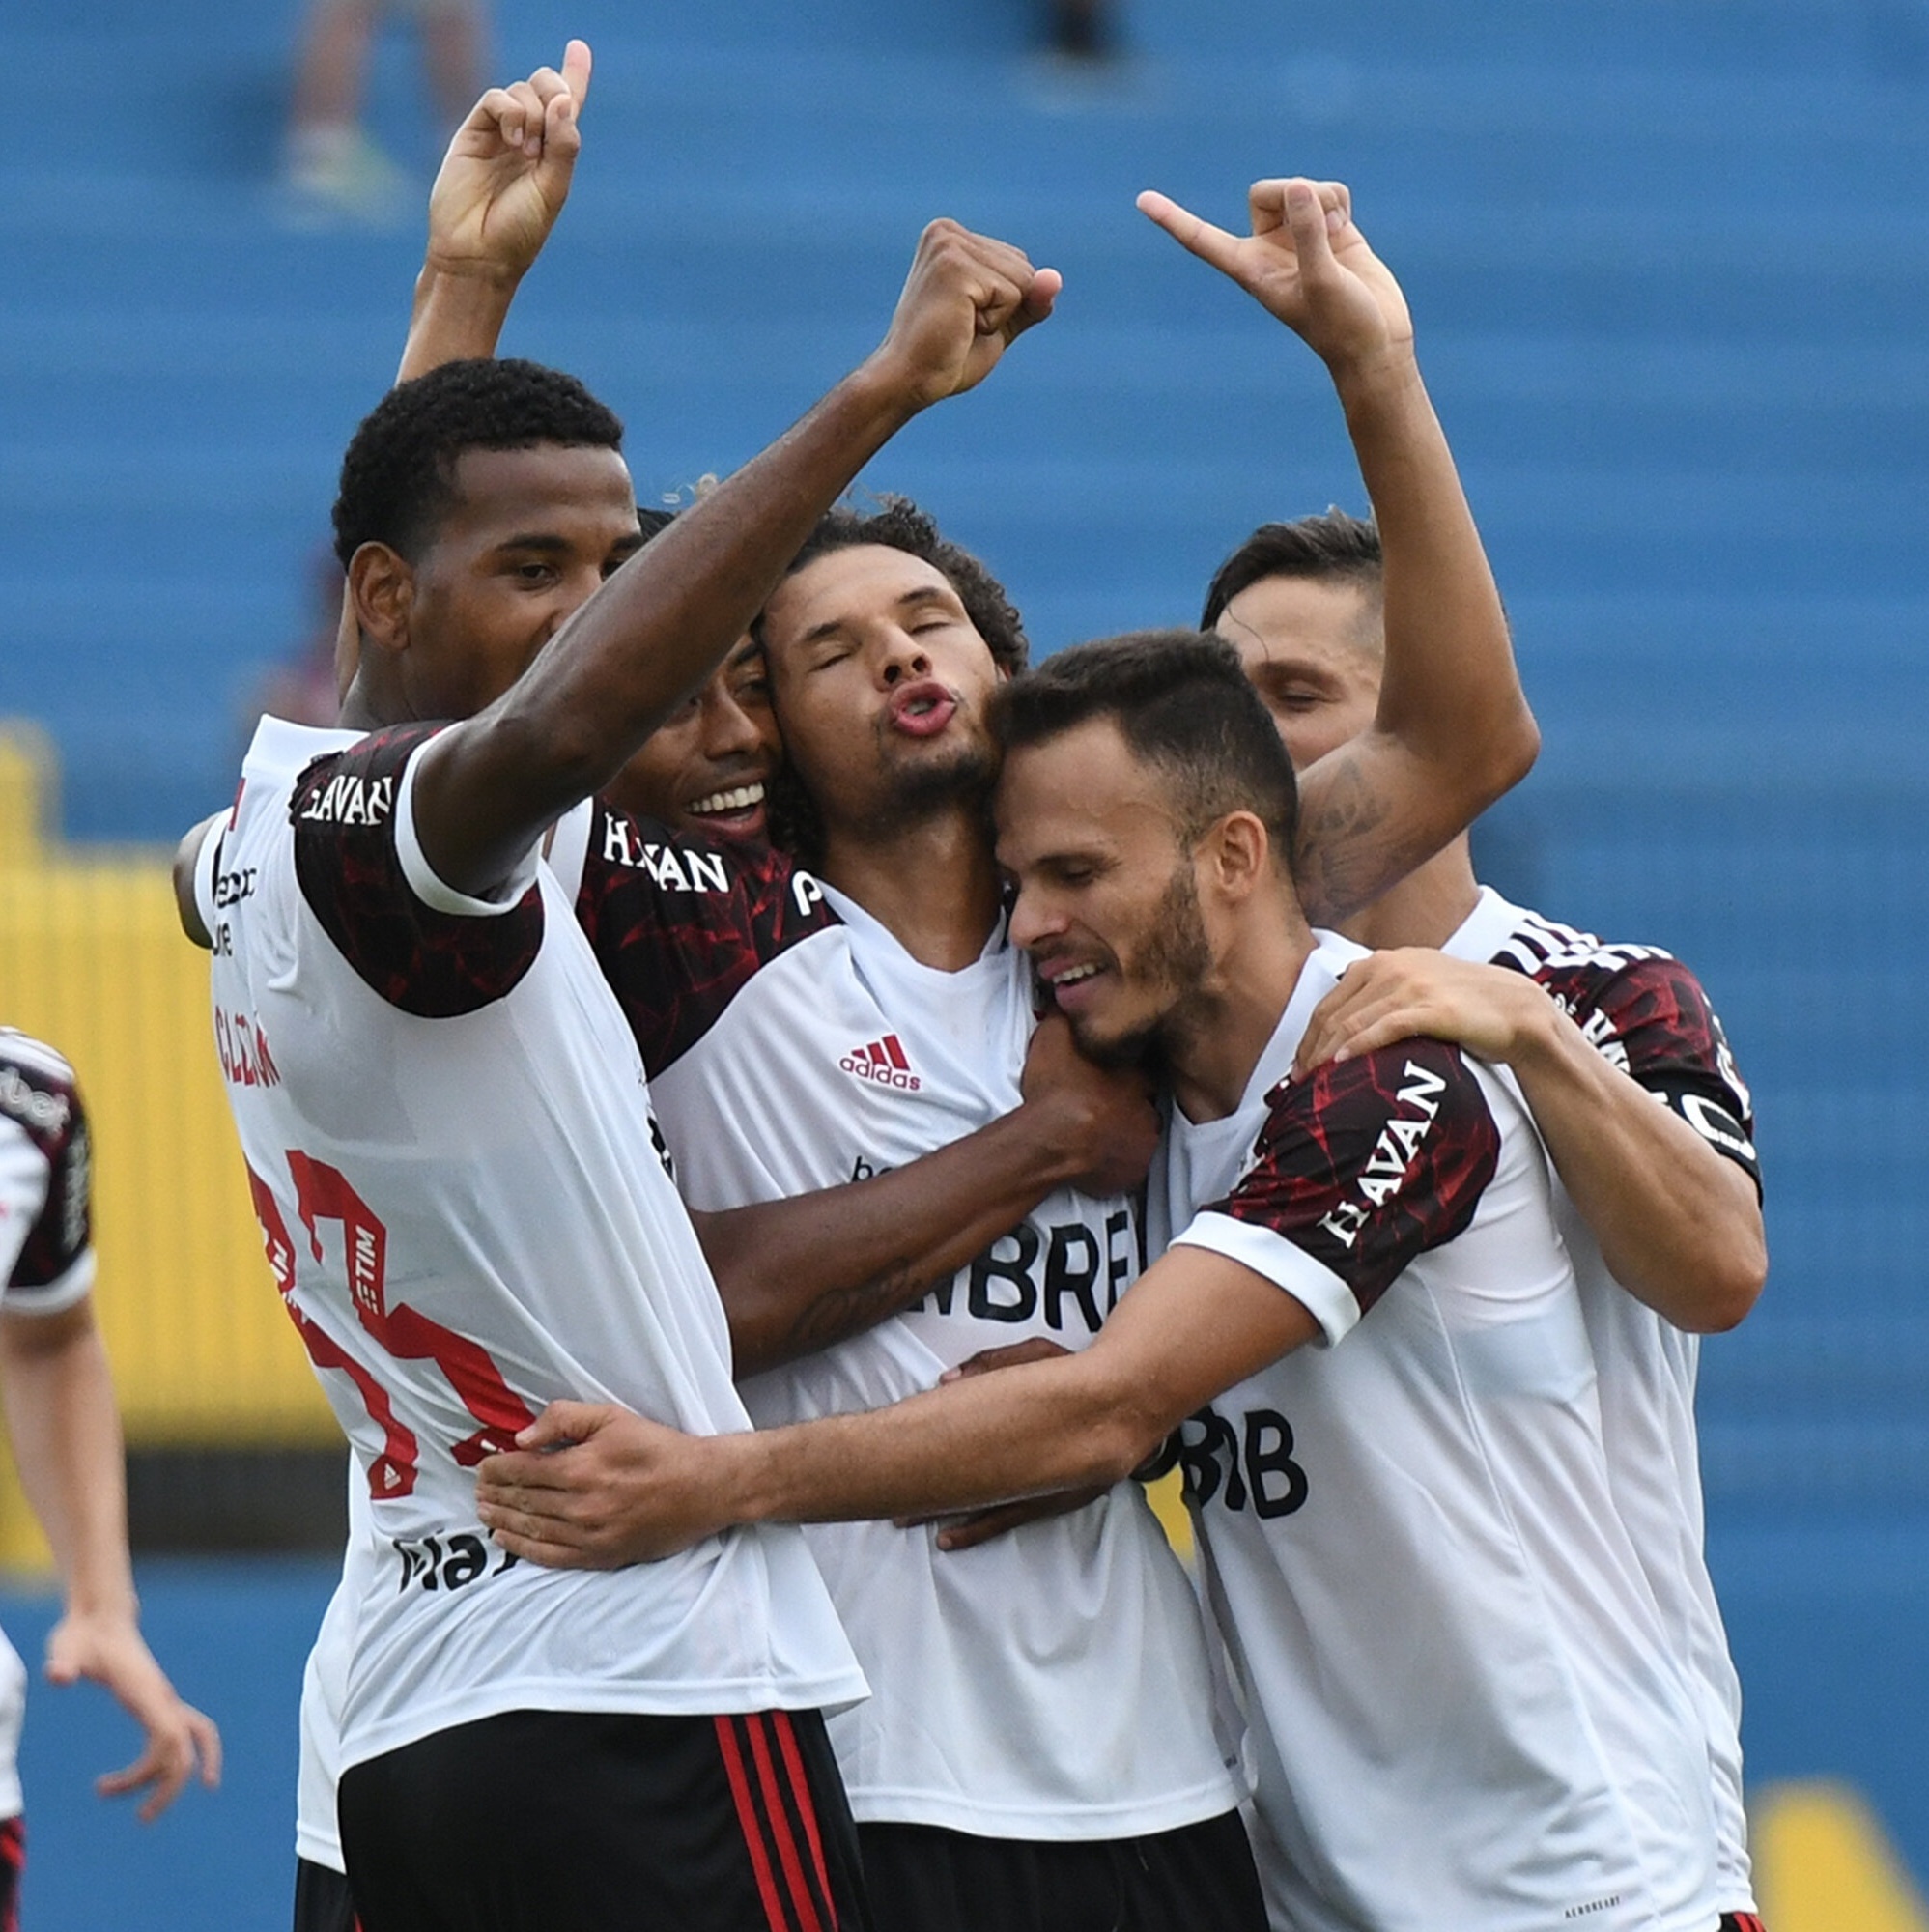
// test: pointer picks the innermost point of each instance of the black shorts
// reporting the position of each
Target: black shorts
(1741, 1921)
(1200, 1878)
(12, 1863)
(547, 1821)
(321, 1901)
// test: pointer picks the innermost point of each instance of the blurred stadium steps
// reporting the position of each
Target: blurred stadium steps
(1670, 262)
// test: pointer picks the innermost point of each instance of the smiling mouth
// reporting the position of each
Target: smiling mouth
(1071, 976)
(720, 804)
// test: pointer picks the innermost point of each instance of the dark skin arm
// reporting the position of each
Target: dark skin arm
(486, 789)
(798, 1275)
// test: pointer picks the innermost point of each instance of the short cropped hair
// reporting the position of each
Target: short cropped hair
(398, 477)
(1184, 705)
(1334, 548)
(898, 524)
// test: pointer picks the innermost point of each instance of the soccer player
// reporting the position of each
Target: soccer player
(981, 1770)
(980, 1776)
(1660, 1204)
(794, 1275)
(435, 1082)
(66, 1434)
(1459, 1689)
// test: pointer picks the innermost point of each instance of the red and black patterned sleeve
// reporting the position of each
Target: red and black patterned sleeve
(680, 926)
(1358, 1171)
(435, 960)
(45, 1189)
(1651, 1019)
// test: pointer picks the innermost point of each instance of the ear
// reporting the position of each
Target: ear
(1237, 855)
(381, 593)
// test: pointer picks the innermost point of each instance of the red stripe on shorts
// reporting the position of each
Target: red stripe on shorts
(746, 1818)
(786, 1843)
(806, 1803)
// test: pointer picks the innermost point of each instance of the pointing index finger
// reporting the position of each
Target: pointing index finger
(1192, 231)
(577, 64)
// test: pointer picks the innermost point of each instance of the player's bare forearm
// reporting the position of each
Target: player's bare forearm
(798, 1275)
(1680, 1225)
(641, 645)
(66, 1432)
(457, 317)
(598, 1487)
(486, 788)
(1452, 730)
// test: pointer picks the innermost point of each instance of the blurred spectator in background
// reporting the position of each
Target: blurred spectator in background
(1082, 28)
(333, 168)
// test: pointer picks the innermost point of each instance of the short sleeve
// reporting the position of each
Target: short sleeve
(46, 1245)
(1651, 1019)
(422, 946)
(680, 926)
(1358, 1171)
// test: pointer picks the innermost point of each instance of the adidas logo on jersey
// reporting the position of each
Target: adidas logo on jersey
(881, 1062)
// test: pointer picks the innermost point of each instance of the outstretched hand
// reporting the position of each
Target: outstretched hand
(506, 174)
(108, 1651)
(1305, 262)
(965, 302)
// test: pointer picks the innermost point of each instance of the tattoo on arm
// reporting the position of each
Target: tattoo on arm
(1348, 847)
(849, 1311)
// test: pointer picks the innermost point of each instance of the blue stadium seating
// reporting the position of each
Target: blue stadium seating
(1670, 262)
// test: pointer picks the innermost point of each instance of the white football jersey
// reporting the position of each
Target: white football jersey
(46, 1259)
(1464, 1713)
(46, 1249)
(325, 1678)
(1052, 1684)
(1648, 1014)
(450, 1143)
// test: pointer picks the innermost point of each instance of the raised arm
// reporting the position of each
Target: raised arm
(487, 788)
(501, 185)
(798, 1275)
(1679, 1219)
(67, 1443)
(1452, 730)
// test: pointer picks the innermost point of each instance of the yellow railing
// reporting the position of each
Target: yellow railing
(92, 960)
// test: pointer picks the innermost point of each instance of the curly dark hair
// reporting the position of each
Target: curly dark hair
(398, 476)
(898, 524)
(796, 826)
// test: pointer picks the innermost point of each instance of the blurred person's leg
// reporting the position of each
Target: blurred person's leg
(455, 51)
(331, 163)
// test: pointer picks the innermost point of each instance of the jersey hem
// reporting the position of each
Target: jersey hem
(1271, 1256)
(318, 1851)
(53, 1297)
(1033, 1821)
(726, 1698)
